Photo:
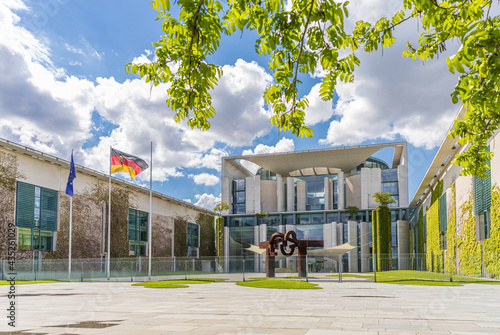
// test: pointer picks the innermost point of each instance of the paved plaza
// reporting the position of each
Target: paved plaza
(225, 308)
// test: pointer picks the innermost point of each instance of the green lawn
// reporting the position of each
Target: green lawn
(414, 277)
(278, 278)
(25, 282)
(280, 284)
(177, 283)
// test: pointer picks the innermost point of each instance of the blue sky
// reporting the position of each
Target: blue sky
(64, 87)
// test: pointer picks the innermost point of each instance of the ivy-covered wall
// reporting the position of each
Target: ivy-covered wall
(9, 174)
(420, 244)
(207, 234)
(492, 245)
(434, 255)
(382, 237)
(162, 236)
(469, 249)
(86, 226)
(451, 234)
(180, 237)
(219, 237)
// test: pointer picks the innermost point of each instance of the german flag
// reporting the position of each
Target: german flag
(122, 162)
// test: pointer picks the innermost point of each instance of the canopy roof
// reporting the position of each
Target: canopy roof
(320, 162)
(326, 252)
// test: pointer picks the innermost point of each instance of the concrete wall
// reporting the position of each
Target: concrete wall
(252, 195)
(371, 183)
(340, 190)
(54, 175)
(290, 190)
(301, 195)
(353, 189)
(403, 186)
(403, 228)
(352, 237)
(280, 193)
(365, 246)
(269, 195)
(495, 160)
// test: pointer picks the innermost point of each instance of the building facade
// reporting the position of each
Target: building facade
(309, 192)
(455, 227)
(33, 198)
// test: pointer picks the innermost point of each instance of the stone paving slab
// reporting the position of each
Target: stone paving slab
(225, 308)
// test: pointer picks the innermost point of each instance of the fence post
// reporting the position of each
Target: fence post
(131, 271)
(185, 269)
(307, 270)
(375, 267)
(340, 265)
(81, 265)
(243, 269)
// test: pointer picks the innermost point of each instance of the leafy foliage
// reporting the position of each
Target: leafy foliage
(352, 211)
(382, 237)
(302, 37)
(383, 198)
(220, 207)
(207, 234)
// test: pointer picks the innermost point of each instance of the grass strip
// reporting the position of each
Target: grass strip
(26, 282)
(280, 284)
(177, 283)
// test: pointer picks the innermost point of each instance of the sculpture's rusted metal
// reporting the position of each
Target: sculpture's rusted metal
(283, 240)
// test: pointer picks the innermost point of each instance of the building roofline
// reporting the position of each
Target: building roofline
(335, 159)
(445, 154)
(36, 154)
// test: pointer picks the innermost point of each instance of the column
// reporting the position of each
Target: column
(340, 190)
(301, 195)
(352, 237)
(403, 227)
(256, 257)
(280, 191)
(328, 194)
(262, 238)
(365, 246)
(290, 197)
(226, 249)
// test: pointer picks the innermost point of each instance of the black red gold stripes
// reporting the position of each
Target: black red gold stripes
(123, 162)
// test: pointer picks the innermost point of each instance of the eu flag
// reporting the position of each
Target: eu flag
(72, 175)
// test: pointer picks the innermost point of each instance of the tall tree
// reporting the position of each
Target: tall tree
(301, 37)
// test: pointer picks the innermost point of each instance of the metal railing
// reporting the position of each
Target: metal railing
(381, 268)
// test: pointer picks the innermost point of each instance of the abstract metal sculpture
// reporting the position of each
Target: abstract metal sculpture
(283, 239)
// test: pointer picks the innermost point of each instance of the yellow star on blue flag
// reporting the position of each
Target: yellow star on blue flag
(72, 175)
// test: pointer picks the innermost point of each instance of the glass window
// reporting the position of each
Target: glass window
(332, 217)
(390, 187)
(389, 175)
(288, 219)
(310, 232)
(24, 238)
(239, 196)
(137, 231)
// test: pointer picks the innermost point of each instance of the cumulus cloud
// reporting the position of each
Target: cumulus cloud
(393, 96)
(284, 145)
(44, 108)
(205, 179)
(206, 200)
(318, 110)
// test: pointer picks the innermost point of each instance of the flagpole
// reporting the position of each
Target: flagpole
(108, 255)
(70, 224)
(150, 208)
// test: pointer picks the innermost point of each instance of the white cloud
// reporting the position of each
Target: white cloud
(205, 179)
(284, 145)
(206, 200)
(318, 110)
(391, 95)
(75, 63)
(187, 200)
